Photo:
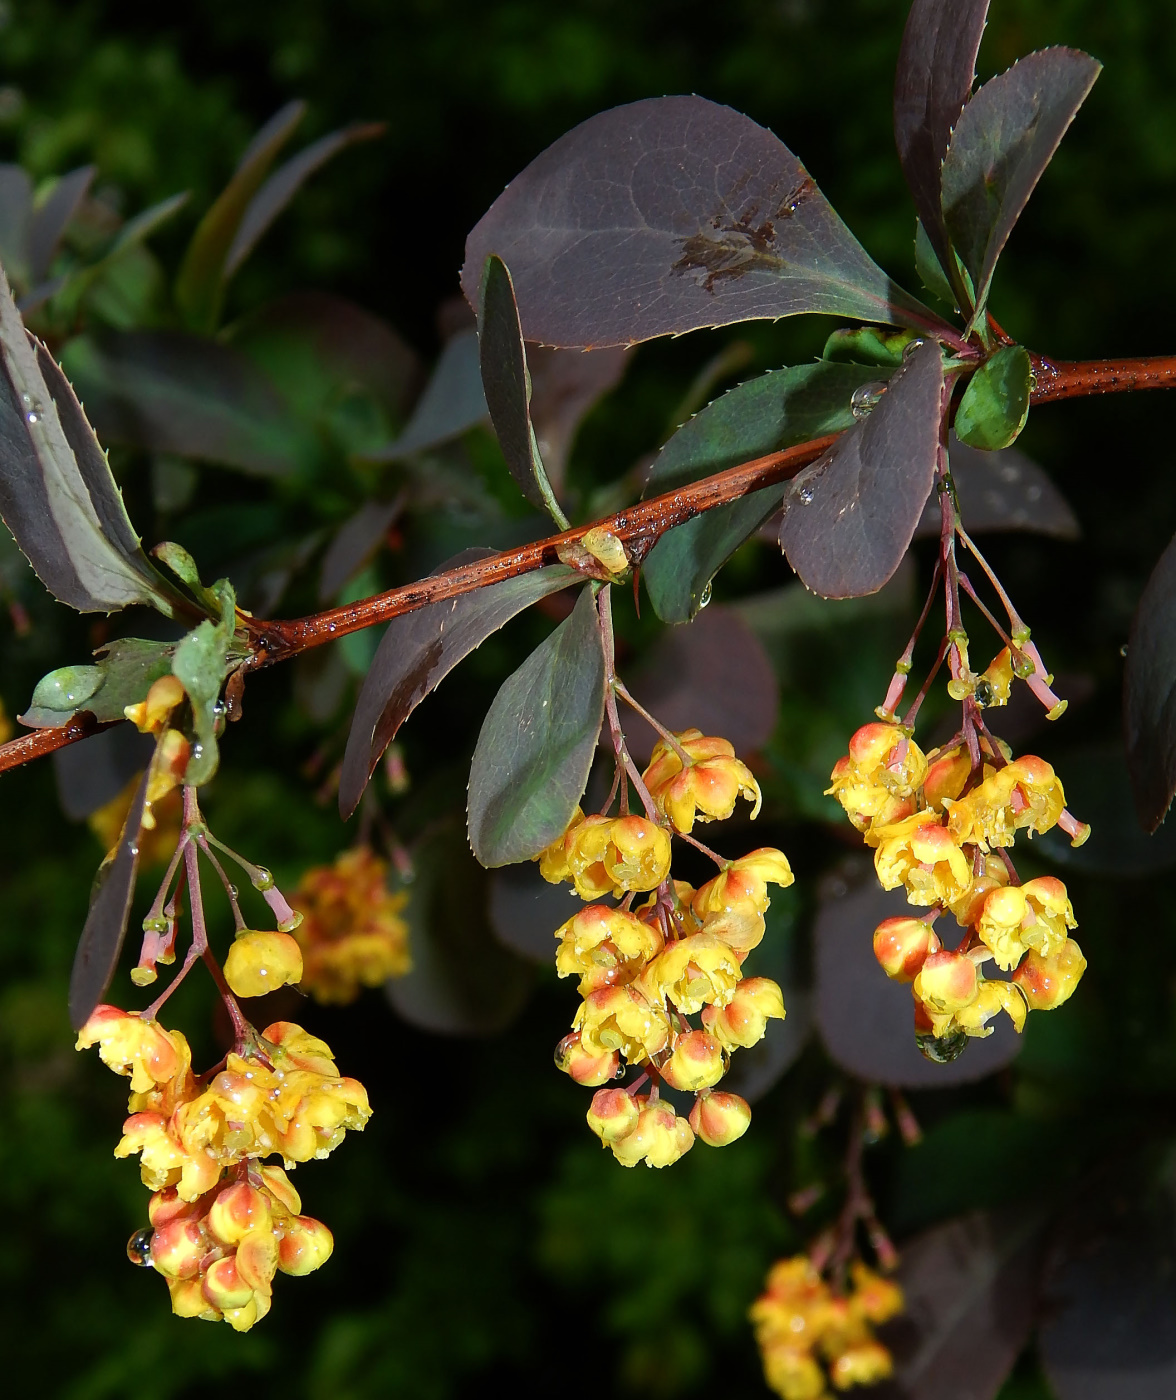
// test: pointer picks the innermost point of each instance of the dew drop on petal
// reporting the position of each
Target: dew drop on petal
(139, 1247)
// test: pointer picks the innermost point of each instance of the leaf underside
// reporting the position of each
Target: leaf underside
(850, 517)
(1002, 490)
(1149, 694)
(537, 743)
(667, 215)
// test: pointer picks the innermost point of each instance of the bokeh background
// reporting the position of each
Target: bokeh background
(483, 1238)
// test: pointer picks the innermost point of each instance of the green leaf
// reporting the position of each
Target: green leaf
(507, 384)
(57, 494)
(201, 280)
(537, 743)
(122, 676)
(995, 404)
(133, 233)
(200, 665)
(462, 982)
(867, 345)
(927, 265)
(779, 409)
(181, 563)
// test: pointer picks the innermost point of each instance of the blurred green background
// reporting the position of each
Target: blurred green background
(482, 1236)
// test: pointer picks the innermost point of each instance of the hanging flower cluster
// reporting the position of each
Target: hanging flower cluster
(352, 933)
(646, 967)
(810, 1335)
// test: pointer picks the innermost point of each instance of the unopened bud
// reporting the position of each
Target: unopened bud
(947, 982)
(257, 1259)
(584, 1067)
(902, 945)
(659, 1138)
(237, 1210)
(178, 1247)
(612, 1114)
(305, 1246)
(1048, 982)
(223, 1287)
(697, 1063)
(720, 1118)
(259, 961)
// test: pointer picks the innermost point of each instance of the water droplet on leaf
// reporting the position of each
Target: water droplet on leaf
(865, 397)
(806, 494)
(706, 597)
(909, 349)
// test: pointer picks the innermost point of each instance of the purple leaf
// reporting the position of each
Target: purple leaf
(284, 184)
(417, 652)
(525, 911)
(1002, 490)
(106, 923)
(671, 214)
(354, 543)
(936, 70)
(1149, 694)
(712, 674)
(565, 385)
(971, 1291)
(1000, 147)
(452, 403)
(51, 217)
(867, 1021)
(503, 362)
(850, 517)
(90, 774)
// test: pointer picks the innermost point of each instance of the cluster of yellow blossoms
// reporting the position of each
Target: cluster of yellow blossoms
(800, 1319)
(646, 968)
(199, 1138)
(352, 933)
(938, 824)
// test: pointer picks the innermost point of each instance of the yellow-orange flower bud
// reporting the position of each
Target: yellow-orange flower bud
(1049, 981)
(553, 860)
(875, 1298)
(224, 1288)
(603, 946)
(305, 1246)
(744, 1020)
(281, 1188)
(883, 767)
(902, 945)
(694, 972)
(178, 1247)
(993, 875)
(141, 1050)
(188, 1300)
(257, 1259)
(622, 1019)
(921, 854)
(237, 1210)
(947, 982)
(658, 1138)
(260, 961)
(793, 1373)
(609, 855)
(1034, 915)
(613, 1114)
(707, 789)
(946, 776)
(587, 1069)
(151, 714)
(719, 1118)
(697, 1063)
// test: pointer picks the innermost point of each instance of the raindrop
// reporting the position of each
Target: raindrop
(233, 891)
(942, 1049)
(139, 1247)
(909, 349)
(1123, 649)
(32, 417)
(865, 397)
(706, 597)
(220, 709)
(806, 494)
(262, 879)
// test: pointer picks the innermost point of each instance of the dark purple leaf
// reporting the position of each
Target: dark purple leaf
(417, 652)
(776, 410)
(201, 281)
(51, 217)
(537, 743)
(1149, 695)
(453, 402)
(91, 774)
(1000, 147)
(16, 209)
(525, 911)
(713, 675)
(667, 215)
(1110, 1329)
(57, 494)
(507, 385)
(850, 517)
(171, 391)
(865, 1020)
(106, 923)
(565, 385)
(1002, 491)
(354, 543)
(936, 70)
(463, 981)
(284, 184)
(971, 1290)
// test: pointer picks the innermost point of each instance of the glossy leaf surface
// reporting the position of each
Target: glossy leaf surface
(507, 385)
(122, 676)
(169, 391)
(1002, 491)
(106, 922)
(462, 982)
(200, 664)
(57, 494)
(995, 404)
(936, 70)
(667, 215)
(776, 410)
(1149, 694)
(536, 745)
(849, 518)
(1000, 147)
(418, 650)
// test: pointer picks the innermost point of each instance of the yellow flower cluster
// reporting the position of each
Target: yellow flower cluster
(645, 969)
(352, 933)
(938, 825)
(800, 1322)
(219, 1253)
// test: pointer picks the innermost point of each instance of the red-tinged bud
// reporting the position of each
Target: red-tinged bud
(659, 1138)
(947, 982)
(279, 1185)
(259, 961)
(718, 1119)
(305, 1246)
(902, 945)
(141, 1050)
(188, 1300)
(257, 1259)
(946, 776)
(168, 1205)
(178, 1247)
(744, 1020)
(237, 1210)
(612, 1114)
(584, 1067)
(224, 1288)
(873, 744)
(1048, 982)
(697, 1063)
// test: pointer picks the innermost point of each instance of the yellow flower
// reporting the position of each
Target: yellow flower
(141, 1050)
(732, 905)
(658, 1138)
(743, 1022)
(992, 998)
(697, 1063)
(622, 1019)
(707, 789)
(1049, 981)
(1034, 915)
(865, 1363)
(694, 972)
(150, 715)
(553, 861)
(920, 853)
(260, 961)
(883, 767)
(611, 855)
(1025, 793)
(584, 1068)
(603, 946)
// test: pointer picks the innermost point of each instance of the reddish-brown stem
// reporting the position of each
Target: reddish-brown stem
(611, 686)
(1076, 379)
